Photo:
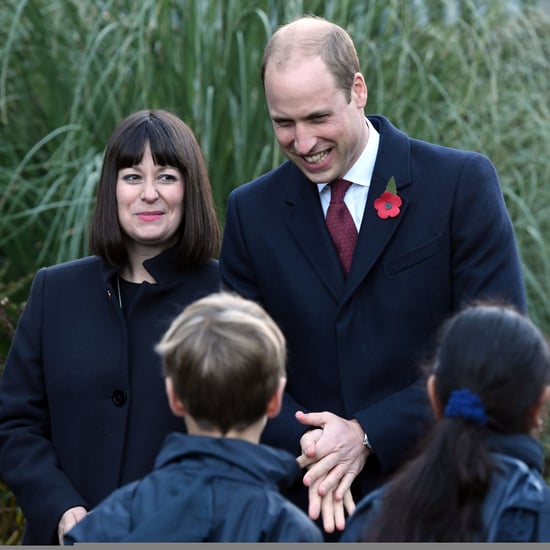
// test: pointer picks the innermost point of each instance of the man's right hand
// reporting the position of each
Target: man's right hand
(334, 454)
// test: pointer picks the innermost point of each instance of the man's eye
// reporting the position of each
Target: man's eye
(320, 118)
(283, 123)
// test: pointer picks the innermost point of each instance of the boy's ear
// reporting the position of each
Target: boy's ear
(274, 406)
(176, 406)
(434, 399)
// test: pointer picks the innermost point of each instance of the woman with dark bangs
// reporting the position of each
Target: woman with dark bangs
(478, 475)
(82, 403)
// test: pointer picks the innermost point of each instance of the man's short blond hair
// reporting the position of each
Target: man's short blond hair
(311, 36)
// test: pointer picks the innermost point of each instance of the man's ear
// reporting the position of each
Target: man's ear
(434, 399)
(176, 406)
(359, 92)
(274, 406)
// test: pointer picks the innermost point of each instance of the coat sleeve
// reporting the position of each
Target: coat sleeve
(235, 265)
(406, 412)
(238, 276)
(485, 259)
(27, 459)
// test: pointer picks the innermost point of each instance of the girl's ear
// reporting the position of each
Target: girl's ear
(434, 399)
(176, 406)
(538, 411)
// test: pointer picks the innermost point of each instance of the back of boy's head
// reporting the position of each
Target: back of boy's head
(225, 356)
(500, 356)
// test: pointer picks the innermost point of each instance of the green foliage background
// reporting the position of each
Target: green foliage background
(468, 74)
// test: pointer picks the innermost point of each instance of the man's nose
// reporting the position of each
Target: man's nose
(304, 139)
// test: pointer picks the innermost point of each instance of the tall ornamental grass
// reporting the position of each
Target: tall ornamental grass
(467, 74)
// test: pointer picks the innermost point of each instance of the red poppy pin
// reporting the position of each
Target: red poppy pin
(388, 203)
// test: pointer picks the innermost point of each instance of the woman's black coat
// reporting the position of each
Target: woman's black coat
(82, 401)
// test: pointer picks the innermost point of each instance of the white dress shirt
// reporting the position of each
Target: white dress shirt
(360, 175)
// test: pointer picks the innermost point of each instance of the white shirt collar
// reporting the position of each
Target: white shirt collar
(361, 172)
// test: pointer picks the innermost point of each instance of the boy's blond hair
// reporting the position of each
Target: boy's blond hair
(225, 356)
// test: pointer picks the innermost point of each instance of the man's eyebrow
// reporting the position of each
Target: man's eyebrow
(310, 116)
(277, 118)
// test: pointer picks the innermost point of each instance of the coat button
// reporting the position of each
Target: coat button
(119, 398)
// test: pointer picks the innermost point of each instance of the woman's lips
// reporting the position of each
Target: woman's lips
(149, 216)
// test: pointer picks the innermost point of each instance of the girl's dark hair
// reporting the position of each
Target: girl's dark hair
(499, 355)
(173, 144)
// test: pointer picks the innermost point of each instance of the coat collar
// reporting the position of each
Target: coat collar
(520, 446)
(268, 464)
(306, 223)
(165, 267)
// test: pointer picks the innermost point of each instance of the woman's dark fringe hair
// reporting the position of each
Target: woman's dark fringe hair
(500, 356)
(172, 143)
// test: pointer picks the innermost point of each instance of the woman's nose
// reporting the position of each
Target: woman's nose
(149, 190)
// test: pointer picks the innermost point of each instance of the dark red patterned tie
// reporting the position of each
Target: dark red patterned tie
(340, 223)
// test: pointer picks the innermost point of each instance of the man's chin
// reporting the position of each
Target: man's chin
(316, 176)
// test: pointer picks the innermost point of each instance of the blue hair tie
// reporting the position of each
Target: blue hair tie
(467, 405)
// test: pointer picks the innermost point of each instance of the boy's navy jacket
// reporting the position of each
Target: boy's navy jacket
(517, 505)
(204, 489)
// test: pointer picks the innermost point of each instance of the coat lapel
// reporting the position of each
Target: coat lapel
(374, 236)
(393, 159)
(307, 225)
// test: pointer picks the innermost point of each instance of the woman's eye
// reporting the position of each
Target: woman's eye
(131, 178)
(168, 178)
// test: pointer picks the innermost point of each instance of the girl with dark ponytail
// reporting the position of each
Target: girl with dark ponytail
(488, 387)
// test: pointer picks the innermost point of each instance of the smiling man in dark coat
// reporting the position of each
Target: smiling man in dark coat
(433, 234)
